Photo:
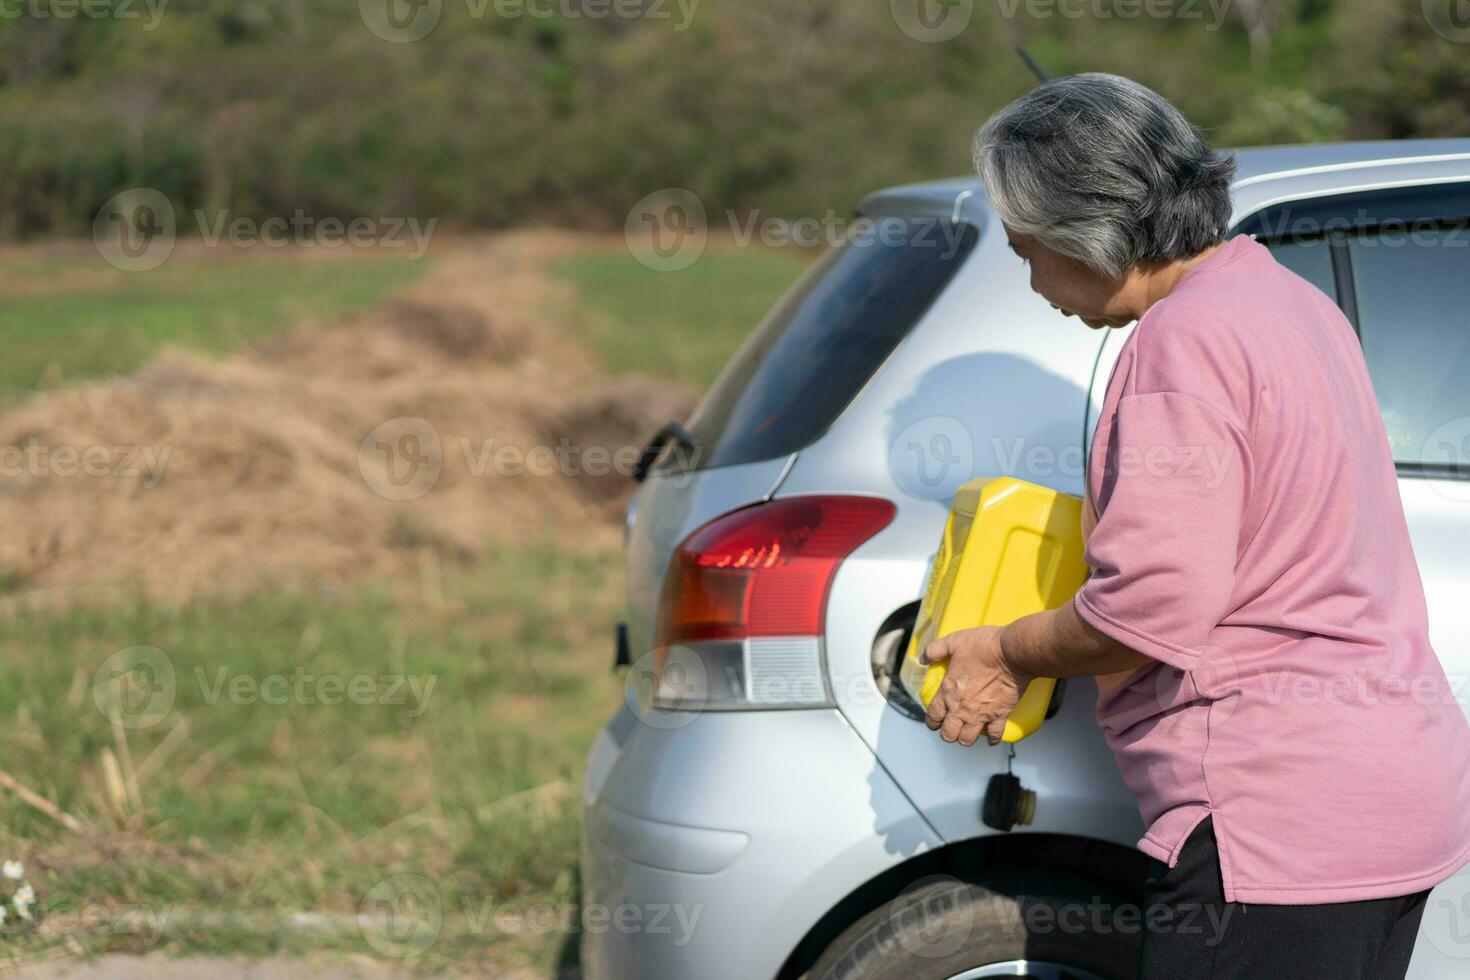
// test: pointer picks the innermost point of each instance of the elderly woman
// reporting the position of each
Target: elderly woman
(1254, 614)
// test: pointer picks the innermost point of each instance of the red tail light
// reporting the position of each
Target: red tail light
(764, 571)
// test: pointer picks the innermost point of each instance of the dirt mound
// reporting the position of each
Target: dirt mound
(604, 417)
(449, 418)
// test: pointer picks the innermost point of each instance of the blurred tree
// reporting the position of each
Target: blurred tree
(783, 107)
(1403, 68)
(1260, 18)
(34, 51)
(1283, 115)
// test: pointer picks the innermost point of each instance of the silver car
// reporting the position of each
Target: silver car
(771, 804)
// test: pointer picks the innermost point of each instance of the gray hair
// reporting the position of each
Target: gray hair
(1105, 170)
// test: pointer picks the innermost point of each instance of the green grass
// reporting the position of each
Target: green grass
(67, 316)
(264, 808)
(682, 325)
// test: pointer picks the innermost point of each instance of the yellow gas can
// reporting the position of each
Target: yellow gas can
(1010, 548)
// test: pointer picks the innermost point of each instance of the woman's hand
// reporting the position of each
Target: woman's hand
(980, 689)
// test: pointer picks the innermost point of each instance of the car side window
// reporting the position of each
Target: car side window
(1413, 296)
(1397, 262)
(1310, 258)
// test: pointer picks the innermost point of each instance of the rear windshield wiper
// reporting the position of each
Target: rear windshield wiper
(672, 432)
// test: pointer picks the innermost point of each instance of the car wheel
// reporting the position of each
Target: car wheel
(1045, 927)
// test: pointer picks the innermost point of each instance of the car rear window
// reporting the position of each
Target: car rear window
(825, 338)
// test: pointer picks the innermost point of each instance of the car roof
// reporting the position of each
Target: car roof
(1254, 165)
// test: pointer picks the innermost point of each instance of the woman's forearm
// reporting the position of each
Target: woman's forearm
(1059, 643)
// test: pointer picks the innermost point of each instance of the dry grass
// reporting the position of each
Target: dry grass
(223, 474)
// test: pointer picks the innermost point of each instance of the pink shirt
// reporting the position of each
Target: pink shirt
(1249, 535)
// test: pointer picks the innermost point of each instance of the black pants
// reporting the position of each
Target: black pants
(1200, 936)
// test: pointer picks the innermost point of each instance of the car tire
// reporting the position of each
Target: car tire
(942, 928)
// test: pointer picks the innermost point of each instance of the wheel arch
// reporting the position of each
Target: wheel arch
(1121, 869)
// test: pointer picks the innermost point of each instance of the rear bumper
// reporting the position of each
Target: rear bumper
(710, 849)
